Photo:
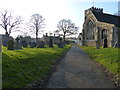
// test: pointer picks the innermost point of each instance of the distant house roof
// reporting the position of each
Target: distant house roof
(108, 18)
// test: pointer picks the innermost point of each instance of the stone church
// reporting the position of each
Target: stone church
(98, 26)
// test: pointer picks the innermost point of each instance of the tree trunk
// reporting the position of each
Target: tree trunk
(64, 37)
(6, 32)
(36, 37)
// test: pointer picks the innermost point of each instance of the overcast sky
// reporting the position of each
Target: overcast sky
(55, 10)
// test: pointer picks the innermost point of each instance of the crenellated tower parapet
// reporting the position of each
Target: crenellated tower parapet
(95, 9)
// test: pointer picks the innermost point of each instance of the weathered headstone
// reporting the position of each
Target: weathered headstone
(40, 44)
(10, 45)
(97, 45)
(32, 44)
(105, 43)
(116, 45)
(17, 44)
(35, 44)
(64, 43)
(67, 42)
(24, 43)
(50, 42)
(60, 45)
(60, 39)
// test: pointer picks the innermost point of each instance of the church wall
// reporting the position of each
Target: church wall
(114, 35)
(90, 43)
(98, 37)
(111, 36)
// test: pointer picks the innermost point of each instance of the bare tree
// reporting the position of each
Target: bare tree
(67, 27)
(8, 22)
(37, 24)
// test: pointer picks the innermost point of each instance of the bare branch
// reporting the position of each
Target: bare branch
(7, 22)
(37, 24)
(67, 27)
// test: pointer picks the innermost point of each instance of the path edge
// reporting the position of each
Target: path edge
(114, 78)
(41, 83)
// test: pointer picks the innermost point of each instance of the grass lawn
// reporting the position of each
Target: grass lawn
(108, 57)
(21, 67)
(0, 70)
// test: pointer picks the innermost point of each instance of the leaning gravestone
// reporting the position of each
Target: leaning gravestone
(51, 42)
(105, 43)
(10, 45)
(40, 44)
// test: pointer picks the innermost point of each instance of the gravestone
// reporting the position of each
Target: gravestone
(60, 45)
(116, 45)
(67, 42)
(40, 44)
(50, 42)
(32, 44)
(17, 44)
(105, 43)
(35, 44)
(24, 43)
(97, 45)
(64, 43)
(10, 45)
(60, 39)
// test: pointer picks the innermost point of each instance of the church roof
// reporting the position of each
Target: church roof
(107, 18)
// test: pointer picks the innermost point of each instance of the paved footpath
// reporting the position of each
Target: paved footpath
(77, 70)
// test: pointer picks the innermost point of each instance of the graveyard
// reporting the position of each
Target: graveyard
(68, 49)
(26, 59)
(21, 67)
(25, 62)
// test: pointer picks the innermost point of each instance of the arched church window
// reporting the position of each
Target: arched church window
(90, 30)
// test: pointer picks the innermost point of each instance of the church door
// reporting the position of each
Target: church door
(104, 38)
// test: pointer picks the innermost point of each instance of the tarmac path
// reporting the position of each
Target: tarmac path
(77, 70)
